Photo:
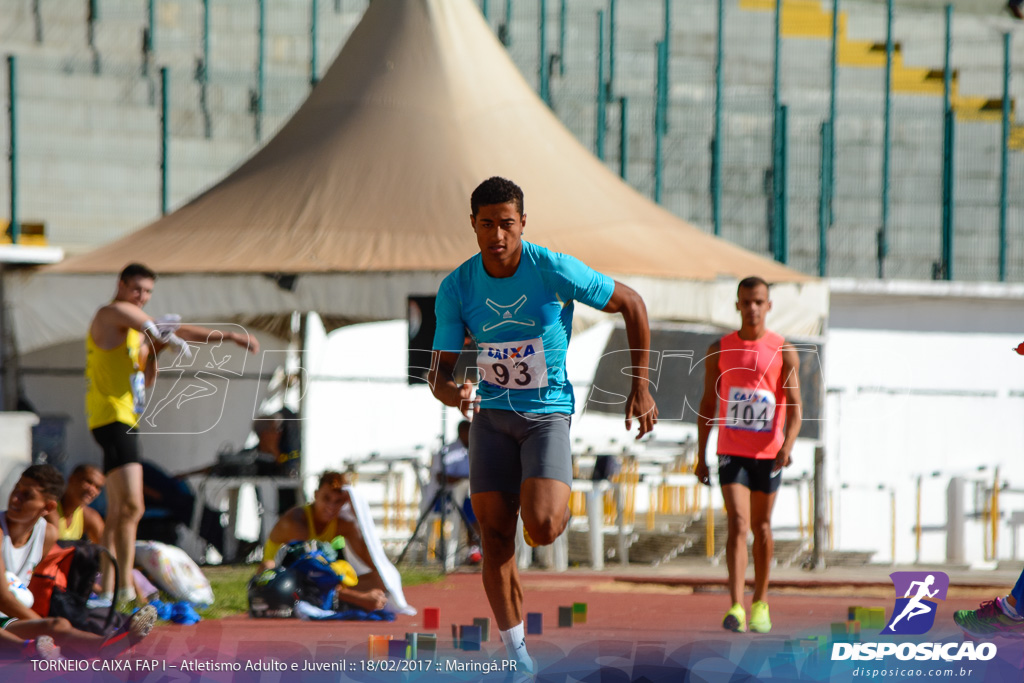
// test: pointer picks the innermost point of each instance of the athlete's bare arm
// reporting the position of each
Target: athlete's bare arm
(708, 408)
(196, 333)
(49, 539)
(93, 524)
(111, 323)
(290, 527)
(794, 405)
(442, 383)
(640, 403)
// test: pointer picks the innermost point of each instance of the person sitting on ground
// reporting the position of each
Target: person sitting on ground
(25, 538)
(333, 513)
(75, 520)
(73, 517)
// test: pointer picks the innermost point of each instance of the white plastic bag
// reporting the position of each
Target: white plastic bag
(173, 572)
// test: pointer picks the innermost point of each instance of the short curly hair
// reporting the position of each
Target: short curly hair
(332, 480)
(49, 479)
(496, 190)
(136, 270)
(751, 282)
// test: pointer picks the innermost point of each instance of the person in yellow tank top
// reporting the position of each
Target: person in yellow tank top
(73, 517)
(328, 516)
(121, 348)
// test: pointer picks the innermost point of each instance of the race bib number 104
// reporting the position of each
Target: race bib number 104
(750, 409)
(513, 365)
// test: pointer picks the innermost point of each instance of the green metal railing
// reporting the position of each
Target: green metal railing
(883, 230)
(944, 267)
(14, 228)
(1004, 156)
(602, 100)
(542, 52)
(165, 166)
(624, 138)
(716, 140)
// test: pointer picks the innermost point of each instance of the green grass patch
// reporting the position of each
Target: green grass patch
(230, 583)
(229, 590)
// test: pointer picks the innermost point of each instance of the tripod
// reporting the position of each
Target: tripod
(442, 499)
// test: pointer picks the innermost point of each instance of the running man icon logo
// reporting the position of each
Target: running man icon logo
(914, 613)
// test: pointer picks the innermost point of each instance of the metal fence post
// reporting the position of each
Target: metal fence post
(260, 68)
(164, 140)
(612, 26)
(716, 141)
(948, 191)
(773, 233)
(94, 15)
(204, 74)
(834, 68)
(782, 192)
(542, 58)
(823, 198)
(314, 68)
(151, 23)
(206, 42)
(1004, 161)
(506, 33)
(666, 77)
(37, 20)
(949, 120)
(599, 128)
(820, 524)
(485, 9)
(777, 52)
(12, 120)
(659, 121)
(562, 21)
(623, 137)
(883, 231)
(147, 43)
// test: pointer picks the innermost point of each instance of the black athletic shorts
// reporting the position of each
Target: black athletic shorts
(755, 474)
(120, 444)
(507, 448)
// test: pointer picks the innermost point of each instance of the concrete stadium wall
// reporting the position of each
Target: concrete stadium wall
(922, 381)
(90, 141)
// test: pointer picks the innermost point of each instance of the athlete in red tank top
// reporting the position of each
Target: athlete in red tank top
(752, 394)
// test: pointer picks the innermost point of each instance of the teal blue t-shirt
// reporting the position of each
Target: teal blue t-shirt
(521, 325)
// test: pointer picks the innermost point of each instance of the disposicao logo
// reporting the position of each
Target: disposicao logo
(914, 613)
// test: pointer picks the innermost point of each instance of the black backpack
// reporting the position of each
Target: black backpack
(62, 582)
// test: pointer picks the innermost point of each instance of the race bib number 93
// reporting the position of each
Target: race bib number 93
(513, 365)
(750, 409)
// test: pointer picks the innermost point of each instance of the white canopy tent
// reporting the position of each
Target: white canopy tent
(364, 195)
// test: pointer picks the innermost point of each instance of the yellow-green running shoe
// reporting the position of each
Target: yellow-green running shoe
(735, 619)
(760, 622)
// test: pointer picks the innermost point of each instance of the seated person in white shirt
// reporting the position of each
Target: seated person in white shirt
(25, 538)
